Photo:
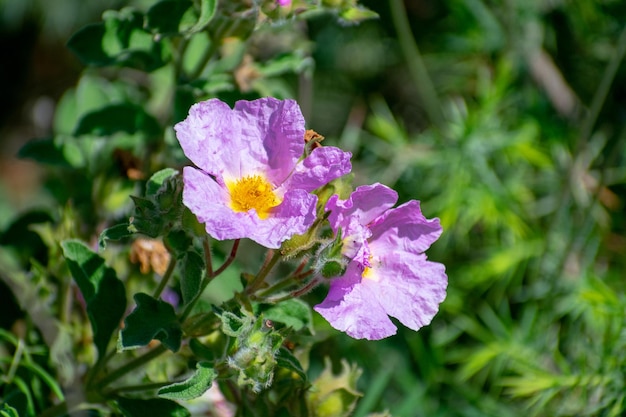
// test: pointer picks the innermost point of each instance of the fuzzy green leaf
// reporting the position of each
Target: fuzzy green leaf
(192, 271)
(193, 387)
(103, 291)
(151, 319)
(293, 313)
(117, 232)
(157, 179)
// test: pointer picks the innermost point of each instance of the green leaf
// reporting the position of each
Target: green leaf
(293, 313)
(151, 319)
(117, 232)
(193, 387)
(154, 407)
(44, 151)
(285, 359)
(87, 45)
(122, 117)
(8, 411)
(233, 325)
(357, 14)
(168, 17)
(207, 11)
(157, 179)
(119, 40)
(192, 271)
(104, 293)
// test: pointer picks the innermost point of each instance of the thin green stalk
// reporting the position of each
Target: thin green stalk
(229, 260)
(290, 280)
(210, 274)
(417, 68)
(603, 89)
(206, 245)
(265, 270)
(166, 277)
(297, 293)
(132, 365)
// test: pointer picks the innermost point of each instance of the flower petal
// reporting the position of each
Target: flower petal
(405, 229)
(409, 287)
(365, 204)
(210, 203)
(352, 307)
(323, 165)
(208, 137)
(293, 216)
(279, 125)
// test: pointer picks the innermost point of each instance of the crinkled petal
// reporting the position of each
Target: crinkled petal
(408, 287)
(209, 136)
(210, 203)
(293, 216)
(353, 308)
(365, 204)
(274, 132)
(323, 165)
(264, 136)
(405, 229)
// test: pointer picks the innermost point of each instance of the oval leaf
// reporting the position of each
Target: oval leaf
(193, 387)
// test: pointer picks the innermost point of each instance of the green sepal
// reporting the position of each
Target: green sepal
(117, 232)
(193, 387)
(151, 319)
(285, 359)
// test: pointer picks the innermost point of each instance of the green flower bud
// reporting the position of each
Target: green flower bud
(329, 261)
(334, 395)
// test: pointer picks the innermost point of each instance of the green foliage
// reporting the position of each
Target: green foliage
(151, 319)
(104, 293)
(193, 387)
(504, 118)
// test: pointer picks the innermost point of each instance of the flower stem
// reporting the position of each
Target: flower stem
(297, 293)
(210, 274)
(166, 277)
(133, 364)
(265, 270)
(206, 245)
(229, 260)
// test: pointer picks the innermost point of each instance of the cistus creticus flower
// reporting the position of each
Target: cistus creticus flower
(388, 274)
(251, 179)
(283, 3)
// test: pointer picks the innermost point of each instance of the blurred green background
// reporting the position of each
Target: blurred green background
(507, 119)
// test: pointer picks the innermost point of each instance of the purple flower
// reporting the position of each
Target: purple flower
(389, 274)
(283, 3)
(250, 180)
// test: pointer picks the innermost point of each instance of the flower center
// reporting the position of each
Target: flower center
(252, 192)
(368, 272)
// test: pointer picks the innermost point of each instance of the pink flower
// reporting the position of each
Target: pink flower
(250, 180)
(283, 3)
(389, 274)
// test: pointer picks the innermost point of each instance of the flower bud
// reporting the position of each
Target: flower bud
(334, 395)
(330, 262)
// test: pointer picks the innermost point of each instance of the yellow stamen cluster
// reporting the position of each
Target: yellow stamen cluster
(252, 192)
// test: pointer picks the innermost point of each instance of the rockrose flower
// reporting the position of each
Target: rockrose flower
(251, 180)
(388, 274)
